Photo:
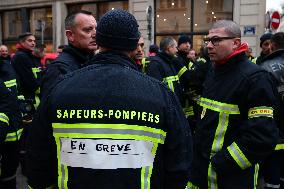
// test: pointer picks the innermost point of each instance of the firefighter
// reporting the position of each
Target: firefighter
(80, 30)
(236, 129)
(27, 70)
(10, 127)
(272, 168)
(108, 125)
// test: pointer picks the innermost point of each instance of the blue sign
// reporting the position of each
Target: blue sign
(249, 30)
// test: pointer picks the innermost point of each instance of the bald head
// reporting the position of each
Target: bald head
(4, 51)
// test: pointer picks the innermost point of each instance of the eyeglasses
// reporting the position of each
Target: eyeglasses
(216, 40)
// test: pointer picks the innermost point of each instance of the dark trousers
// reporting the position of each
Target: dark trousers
(9, 165)
(270, 170)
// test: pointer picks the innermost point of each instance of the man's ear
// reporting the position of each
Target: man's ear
(69, 35)
(237, 43)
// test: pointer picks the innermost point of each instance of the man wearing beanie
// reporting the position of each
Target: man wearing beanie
(190, 106)
(110, 126)
(265, 46)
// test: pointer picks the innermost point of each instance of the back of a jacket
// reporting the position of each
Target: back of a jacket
(113, 127)
(274, 63)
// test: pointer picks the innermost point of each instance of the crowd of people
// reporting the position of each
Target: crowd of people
(107, 114)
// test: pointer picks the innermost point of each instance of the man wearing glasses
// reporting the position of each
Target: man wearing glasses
(236, 129)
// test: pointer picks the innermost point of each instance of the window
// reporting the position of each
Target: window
(173, 16)
(41, 19)
(99, 8)
(210, 11)
(12, 24)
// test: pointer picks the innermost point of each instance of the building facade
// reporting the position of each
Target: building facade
(157, 18)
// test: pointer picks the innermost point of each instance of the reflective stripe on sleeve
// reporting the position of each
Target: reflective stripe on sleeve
(169, 81)
(279, 147)
(262, 111)
(219, 106)
(14, 136)
(238, 156)
(181, 71)
(35, 71)
(4, 118)
(191, 186)
(10, 83)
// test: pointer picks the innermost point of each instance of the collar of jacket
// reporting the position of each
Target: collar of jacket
(5, 58)
(21, 47)
(274, 54)
(166, 57)
(183, 55)
(81, 56)
(231, 63)
(114, 57)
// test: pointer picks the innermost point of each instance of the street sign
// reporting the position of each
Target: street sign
(275, 20)
(249, 30)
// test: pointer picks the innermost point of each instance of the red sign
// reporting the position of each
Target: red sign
(275, 20)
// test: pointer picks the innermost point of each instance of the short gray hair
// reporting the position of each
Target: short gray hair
(165, 42)
(70, 19)
(231, 27)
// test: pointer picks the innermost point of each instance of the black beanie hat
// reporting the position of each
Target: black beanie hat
(183, 39)
(265, 37)
(118, 29)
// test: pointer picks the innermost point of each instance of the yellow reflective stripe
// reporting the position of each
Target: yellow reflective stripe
(254, 60)
(201, 60)
(219, 106)
(262, 111)
(238, 156)
(169, 81)
(144, 64)
(11, 83)
(21, 97)
(4, 118)
(212, 178)
(62, 169)
(220, 133)
(256, 169)
(14, 136)
(181, 71)
(191, 186)
(190, 64)
(146, 173)
(35, 71)
(110, 126)
(279, 147)
(154, 148)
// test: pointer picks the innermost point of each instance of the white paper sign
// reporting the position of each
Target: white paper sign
(106, 153)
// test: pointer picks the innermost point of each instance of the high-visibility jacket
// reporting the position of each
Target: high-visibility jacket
(161, 67)
(109, 126)
(10, 132)
(236, 129)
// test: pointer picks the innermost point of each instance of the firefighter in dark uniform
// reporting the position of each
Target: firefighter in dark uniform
(108, 125)
(162, 67)
(189, 95)
(236, 129)
(272, 168)
(80, 30)
(10, 127)
(27, 69)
